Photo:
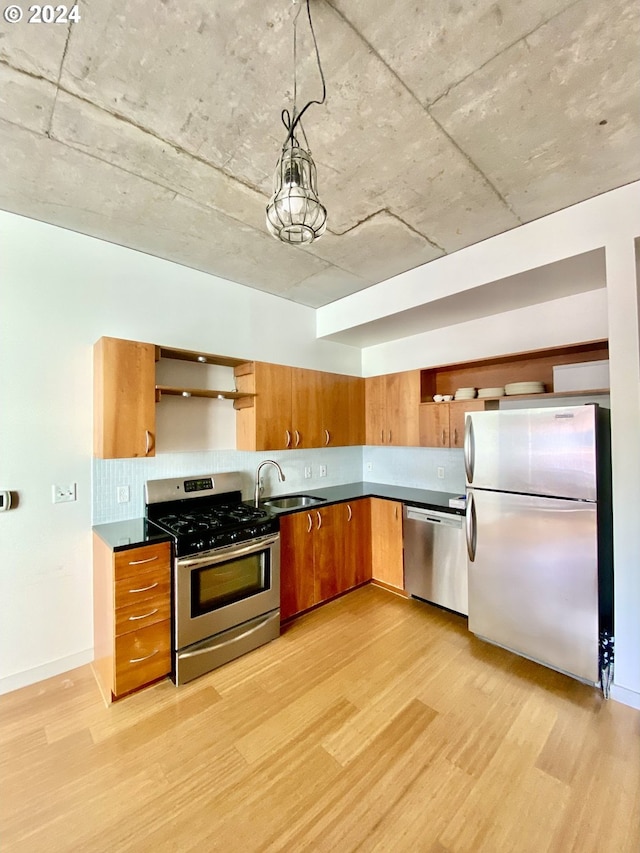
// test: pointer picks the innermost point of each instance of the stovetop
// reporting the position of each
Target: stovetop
(205, 512)
(212, 519)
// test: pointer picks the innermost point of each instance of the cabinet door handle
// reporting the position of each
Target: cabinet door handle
(146, 657)
(455, 436)
(327, 437)
(145, 616)
(389, 436)
(309, 522)
(350, 516)
(443, 437)
(297, 435)
(288, 441)
(319, 519)
(148, 435)
(145, 588)
(396, 513)
(381, 436)
(140, 562)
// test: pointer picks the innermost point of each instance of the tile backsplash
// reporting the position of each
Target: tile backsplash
(343, 465)
(407, 466)
(416, 467)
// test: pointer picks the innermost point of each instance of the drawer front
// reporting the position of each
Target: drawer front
(139, 614)
(142, 656)
(136, 560)
(144, 589)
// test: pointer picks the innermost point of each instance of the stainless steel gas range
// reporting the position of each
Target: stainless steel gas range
(226, 573)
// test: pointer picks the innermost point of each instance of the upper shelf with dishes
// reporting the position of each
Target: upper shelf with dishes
(560, 372)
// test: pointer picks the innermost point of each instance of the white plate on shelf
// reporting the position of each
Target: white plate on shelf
(524, 388)
(491, 392)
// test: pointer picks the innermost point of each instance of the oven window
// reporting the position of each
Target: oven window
(215, 586)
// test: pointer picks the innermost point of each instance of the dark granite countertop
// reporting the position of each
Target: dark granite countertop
(350, 491)
(132, 533)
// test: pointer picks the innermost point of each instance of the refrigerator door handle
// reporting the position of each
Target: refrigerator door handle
(470, 526)
(469, 449)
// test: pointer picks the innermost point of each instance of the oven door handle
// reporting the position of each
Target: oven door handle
(228, 552)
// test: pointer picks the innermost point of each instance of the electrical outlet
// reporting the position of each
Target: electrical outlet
(123, 494)
(440, 473)
(307, 472)
(323, 470)
(369, 466)
(63, 494)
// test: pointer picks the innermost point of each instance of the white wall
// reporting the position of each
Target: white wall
(60, 292)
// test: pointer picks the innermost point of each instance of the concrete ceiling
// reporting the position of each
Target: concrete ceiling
(156, 125)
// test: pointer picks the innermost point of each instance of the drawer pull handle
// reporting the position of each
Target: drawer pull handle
(145, 588)
(145, 616)
(140, 562)
(146, 657)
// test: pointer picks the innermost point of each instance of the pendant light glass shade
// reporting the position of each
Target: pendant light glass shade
(294, 212)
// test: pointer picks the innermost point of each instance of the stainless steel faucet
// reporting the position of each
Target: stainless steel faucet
(258, 490)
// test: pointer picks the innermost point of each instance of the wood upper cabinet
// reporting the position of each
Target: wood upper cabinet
(442, 424)
(124, 399)
(297, 408)
(323, 552)
(392, 403)
(131, 616)
(342, 410)
(387, 559)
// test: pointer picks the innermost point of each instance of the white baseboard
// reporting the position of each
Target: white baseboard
(626, 696)
(47, 670)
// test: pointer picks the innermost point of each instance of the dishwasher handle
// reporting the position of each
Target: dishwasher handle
(431, 516)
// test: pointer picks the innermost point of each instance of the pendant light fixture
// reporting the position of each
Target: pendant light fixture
(294, 213)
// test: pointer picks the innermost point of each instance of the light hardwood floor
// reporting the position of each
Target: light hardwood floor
(374, 723)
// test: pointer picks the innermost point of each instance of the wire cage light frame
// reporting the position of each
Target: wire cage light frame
(295, 214)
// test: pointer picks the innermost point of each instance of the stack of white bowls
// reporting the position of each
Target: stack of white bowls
(465, 394)
(524, 388)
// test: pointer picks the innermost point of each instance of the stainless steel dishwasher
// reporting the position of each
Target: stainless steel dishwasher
(435, 557)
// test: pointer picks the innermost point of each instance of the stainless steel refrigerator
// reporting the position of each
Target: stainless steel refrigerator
(539, 536)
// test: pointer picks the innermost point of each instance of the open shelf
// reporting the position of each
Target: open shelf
(201, 392)
(198, 357)
(517, 367)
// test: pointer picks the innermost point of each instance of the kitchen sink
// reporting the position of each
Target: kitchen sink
(292, 502)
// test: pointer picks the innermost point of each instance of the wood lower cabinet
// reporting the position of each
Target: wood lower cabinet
(124, 399)
(132, 616)
(442, 424)
(323, 552)
(387, 563)
(392, 403)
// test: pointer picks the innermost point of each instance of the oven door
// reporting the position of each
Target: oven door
(225, 587)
